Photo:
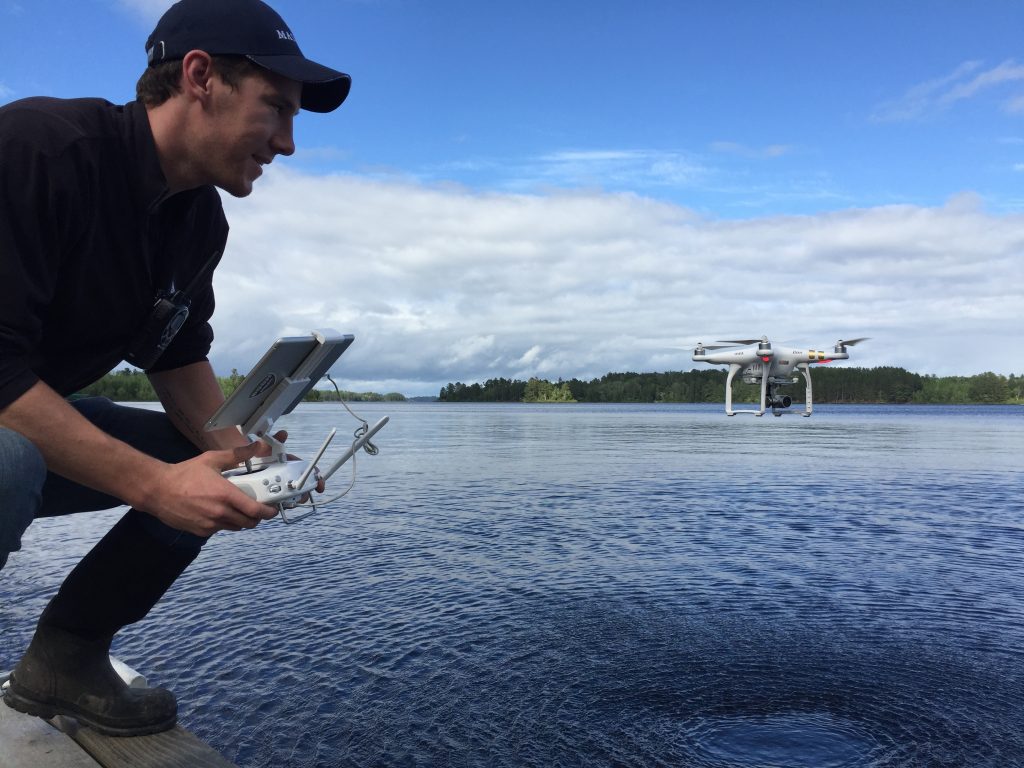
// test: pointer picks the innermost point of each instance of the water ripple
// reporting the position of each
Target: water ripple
(608, 587)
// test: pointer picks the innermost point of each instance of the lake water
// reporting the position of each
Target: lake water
(515, 585)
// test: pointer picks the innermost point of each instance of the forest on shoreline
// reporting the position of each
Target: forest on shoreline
(830, 385)
(129, 385)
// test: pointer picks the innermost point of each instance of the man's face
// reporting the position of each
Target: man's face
(250, 126)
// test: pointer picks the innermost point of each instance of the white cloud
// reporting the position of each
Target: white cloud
(530, 357)
(742, 150)
(606, 169)
(1007, 72)
(441, 284)
(964, 82)
(618, 167)
(1015, 105)
(468, 349)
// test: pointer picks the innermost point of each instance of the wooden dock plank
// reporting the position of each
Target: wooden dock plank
(30, 742)
(176, 748)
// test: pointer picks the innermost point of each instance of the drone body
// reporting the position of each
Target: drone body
(758, 362)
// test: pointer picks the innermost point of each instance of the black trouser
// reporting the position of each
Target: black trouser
(126, 573)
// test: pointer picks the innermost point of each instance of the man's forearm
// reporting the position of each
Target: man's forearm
(190, 395)
(190, 496)
(76, 449)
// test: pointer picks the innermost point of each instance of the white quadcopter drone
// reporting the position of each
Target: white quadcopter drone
(770, 367)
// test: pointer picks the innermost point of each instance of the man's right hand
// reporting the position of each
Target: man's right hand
(193, 496)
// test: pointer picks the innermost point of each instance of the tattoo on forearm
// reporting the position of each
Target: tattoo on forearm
(183, 423)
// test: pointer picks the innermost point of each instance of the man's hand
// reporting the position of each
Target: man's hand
(193, 496)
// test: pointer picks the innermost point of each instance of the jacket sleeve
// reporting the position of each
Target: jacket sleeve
(36, 218)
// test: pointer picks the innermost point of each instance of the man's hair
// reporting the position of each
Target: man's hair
(162, 81)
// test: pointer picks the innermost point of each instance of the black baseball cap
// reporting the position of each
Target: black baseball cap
(248, 28)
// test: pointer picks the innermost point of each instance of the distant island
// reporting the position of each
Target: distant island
(831, 385)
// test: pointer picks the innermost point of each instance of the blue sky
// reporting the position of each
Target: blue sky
(693, 170)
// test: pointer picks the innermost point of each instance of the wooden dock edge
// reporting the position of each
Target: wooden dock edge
(176, 748)
(31, 742)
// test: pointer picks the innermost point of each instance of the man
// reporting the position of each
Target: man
(110, 226)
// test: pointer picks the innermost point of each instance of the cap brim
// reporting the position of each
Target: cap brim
(323, 88)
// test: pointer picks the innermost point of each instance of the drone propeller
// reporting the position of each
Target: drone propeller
(692, 346)
(743, 342)
(851, 342)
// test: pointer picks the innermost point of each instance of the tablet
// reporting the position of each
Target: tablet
(278, 382)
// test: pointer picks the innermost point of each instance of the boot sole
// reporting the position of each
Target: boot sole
(49, 710)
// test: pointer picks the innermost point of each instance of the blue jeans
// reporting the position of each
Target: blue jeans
(28, 491)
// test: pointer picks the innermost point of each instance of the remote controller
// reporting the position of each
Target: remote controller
(277, 483)
(281, 481)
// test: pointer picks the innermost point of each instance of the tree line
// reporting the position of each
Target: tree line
(884, 384)
(831, 385)
(132, 386)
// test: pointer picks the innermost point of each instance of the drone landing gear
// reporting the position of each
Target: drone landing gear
(769, 397)
(805, 369)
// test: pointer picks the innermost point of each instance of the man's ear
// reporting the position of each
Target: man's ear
(196, 74)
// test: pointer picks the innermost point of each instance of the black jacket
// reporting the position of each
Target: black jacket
(88, 236)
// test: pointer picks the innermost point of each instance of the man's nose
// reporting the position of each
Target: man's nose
(283, 142)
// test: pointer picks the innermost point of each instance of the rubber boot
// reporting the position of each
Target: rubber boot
(65, 674)
(66, 669)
